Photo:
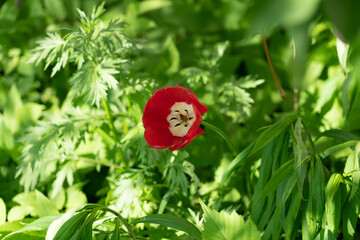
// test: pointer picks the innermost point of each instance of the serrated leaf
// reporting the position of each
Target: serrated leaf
(226, 226)
(171, 221)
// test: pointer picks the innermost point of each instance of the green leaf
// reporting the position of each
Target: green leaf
(147, 6)
(45, 206)
(2, 211)
(69, 228)
(332, 203)
(345, 93)
(349, 219)
(225, 226)
(276, 179)
(340, 134)
(238, 162)
(315, 206)
(171, 56)
(292, 214)
(300, 154)
(336, 148)
(116, 232)
(342, 51)
(273, 131)
(352, 167)
(327, 92)
(171, 221)
(40, 224)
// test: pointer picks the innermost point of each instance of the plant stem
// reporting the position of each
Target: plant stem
(109, 117)
(282, 93)
(126, 224)
(222, 134)
(85, 159)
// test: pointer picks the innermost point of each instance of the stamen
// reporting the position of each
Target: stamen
(183, 118)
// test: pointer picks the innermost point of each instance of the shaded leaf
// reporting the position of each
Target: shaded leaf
(170, 221)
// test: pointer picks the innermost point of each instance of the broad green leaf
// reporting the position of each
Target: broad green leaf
(292, 214)
(352, 167)
(340, 135)
(274, 154)
(170, 221)
(147, 6)
(342, 51)
(40, 224)
(288, 190)
(6, 137)
(278, 177)
(18, 213)
(332, 203)
(315, 205)
(336, 148)
(13, 108)
(116, 232)
(44, 205)
(300, 154)
(75, 197)
(226, 226)
(349, 219)
(69, 227)
(238, 162)
(2, 211)
(345, 90)
(171, 56)
(273, 131)
(327, 92)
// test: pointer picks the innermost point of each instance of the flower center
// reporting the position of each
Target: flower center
(181, 118)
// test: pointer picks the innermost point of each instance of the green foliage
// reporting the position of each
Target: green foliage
(76, 75)
(223, 225)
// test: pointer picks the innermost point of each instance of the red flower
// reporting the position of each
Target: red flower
(172, 117)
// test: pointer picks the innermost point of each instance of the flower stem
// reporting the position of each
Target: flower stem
(109, 117)
(90, 160)
(282, 93)
(222, 134)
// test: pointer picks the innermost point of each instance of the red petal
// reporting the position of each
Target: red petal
(160, 138)
(195, 133)
(156, 117)
(201, 107)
